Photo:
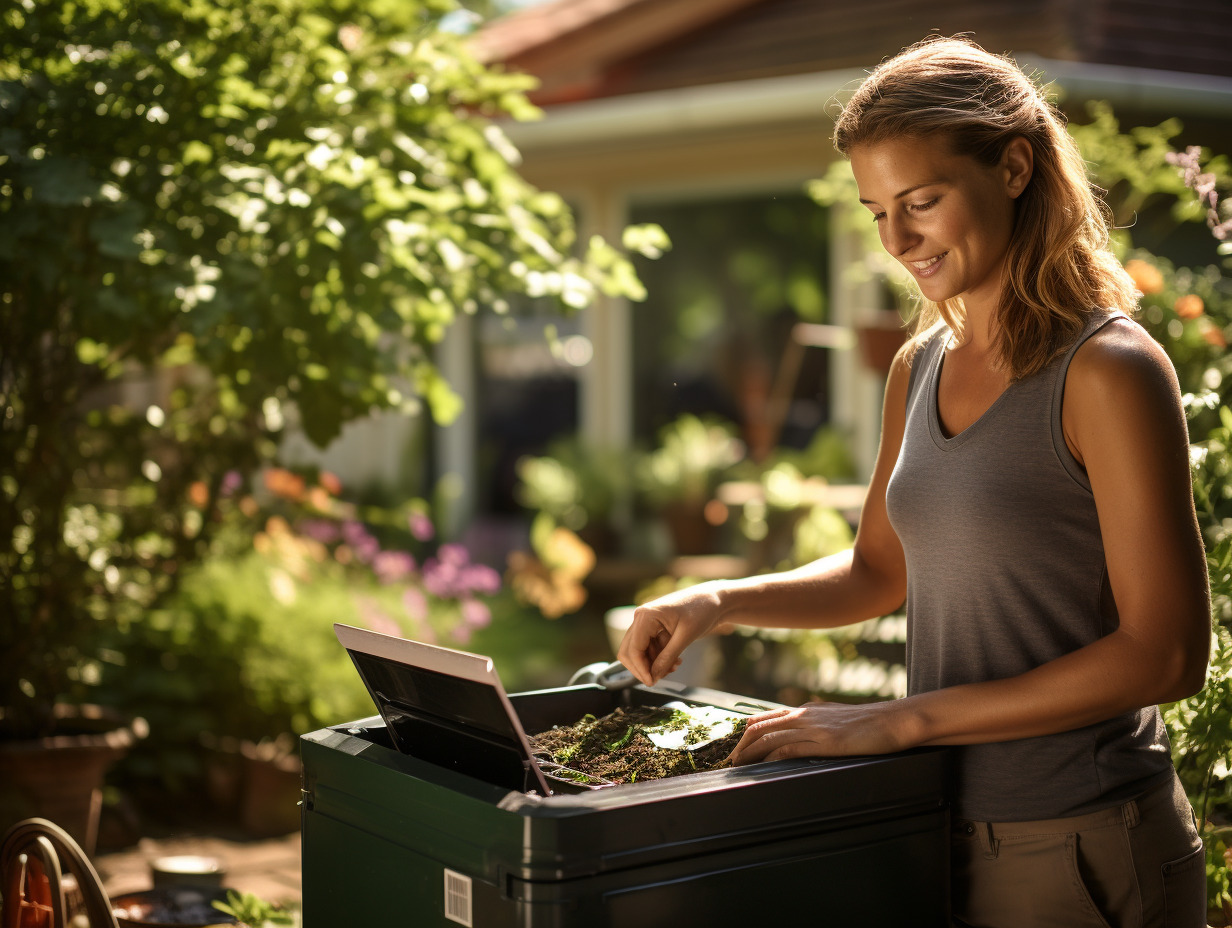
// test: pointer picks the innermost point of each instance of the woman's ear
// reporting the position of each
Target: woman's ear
(1017, 165)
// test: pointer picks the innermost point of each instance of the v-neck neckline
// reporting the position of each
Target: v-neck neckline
(949, 442)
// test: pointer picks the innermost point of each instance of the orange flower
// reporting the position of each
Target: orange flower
(199, 494)
(1214, 334)
(330, 482)
(1146, 276)
(283, 483)
(1189, 306)
(319, 499)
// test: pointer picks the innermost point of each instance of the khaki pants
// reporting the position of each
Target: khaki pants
(1139, 865)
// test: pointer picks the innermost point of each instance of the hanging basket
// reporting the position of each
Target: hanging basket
(60, 777)
(879, 338)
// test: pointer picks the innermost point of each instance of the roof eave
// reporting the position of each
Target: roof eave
(741, 104)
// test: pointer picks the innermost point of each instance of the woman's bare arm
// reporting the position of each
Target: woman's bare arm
(1124, 421)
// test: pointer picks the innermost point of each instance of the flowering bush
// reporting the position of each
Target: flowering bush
(437, 597)
(246, 648)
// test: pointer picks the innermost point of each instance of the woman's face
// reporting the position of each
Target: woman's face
(945, 217)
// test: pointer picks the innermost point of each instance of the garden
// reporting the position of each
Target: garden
(224, 222)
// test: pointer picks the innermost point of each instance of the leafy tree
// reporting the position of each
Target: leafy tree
(215, 214)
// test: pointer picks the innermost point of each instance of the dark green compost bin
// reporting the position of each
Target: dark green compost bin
(464, 835)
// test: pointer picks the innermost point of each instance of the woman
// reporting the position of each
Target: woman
(1030, 504)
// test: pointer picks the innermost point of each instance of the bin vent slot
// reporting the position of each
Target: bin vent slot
(458, 898)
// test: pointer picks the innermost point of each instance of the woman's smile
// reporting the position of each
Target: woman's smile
(926, 268)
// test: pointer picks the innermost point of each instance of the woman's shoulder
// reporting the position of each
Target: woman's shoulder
(910, 358)
(1120, 374)
(1118, 352)
(920, 343)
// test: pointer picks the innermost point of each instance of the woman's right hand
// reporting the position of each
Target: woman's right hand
(664, 627)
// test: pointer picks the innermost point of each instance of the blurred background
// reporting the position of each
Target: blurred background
(479, 324)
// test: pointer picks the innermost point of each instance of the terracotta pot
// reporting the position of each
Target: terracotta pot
(690, 532)
(270, 790)
(60, 777)
(879, 339)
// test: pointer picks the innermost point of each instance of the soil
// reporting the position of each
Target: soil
(612, 749)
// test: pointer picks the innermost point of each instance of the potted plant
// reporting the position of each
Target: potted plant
(189, 254)
(579, 486)
(679, 477)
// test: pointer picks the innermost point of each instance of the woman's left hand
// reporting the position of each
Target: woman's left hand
(823, 730)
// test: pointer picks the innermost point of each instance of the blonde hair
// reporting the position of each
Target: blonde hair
(1059, 267)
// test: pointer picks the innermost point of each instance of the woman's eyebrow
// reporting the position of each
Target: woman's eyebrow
(903, 193)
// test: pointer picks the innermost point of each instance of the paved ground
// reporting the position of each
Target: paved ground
(268, 868)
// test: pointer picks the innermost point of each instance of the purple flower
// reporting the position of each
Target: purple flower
(420, 526)
(321, 530)
(461, 634)
(231, 482)
(1189, 163)
(440, 578)
(366, 547)
(392, 566)
(480, 578)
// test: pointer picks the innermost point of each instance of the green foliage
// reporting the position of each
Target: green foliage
(252, 910)
(214, 215)
(693, 455)
(828, 455)
(1132, 166)
(1189, 311)
(245, 647)
(575, 483)
(822, 532)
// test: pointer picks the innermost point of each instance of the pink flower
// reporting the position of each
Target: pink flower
(476, 614)
(392, 566)
(375, 618)
(453, 554)
(420, 526)
(415, 603)
(480, 578)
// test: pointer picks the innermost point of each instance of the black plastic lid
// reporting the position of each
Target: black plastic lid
(444, 706)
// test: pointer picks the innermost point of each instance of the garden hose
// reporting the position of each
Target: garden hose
(53, 850)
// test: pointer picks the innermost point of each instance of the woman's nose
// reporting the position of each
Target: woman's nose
(897, 235)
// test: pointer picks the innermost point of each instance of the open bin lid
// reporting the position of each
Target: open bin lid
(444, 706)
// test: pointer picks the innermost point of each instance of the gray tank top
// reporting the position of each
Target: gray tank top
(1006, 571)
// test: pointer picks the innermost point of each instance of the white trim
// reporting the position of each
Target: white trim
(453, 663)
(669, 112)
(1144, 87)
(605, 385)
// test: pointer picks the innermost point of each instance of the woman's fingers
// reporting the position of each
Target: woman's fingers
(818, 730)
(662, 629)
(751, 747)
(638, 650)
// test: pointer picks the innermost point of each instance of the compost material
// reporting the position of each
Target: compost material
(616, 748)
